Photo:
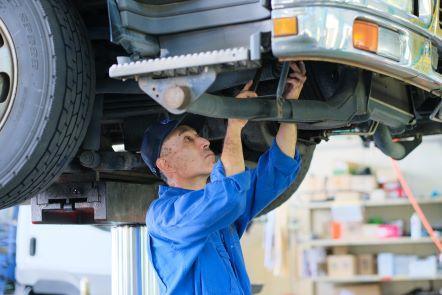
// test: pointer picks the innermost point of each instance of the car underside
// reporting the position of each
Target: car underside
(143, 61)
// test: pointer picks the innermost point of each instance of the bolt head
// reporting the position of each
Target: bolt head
(177, 97)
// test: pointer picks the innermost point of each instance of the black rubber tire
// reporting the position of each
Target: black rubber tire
(54, 98)
(306, 150)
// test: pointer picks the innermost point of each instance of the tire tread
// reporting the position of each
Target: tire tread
(76, 108)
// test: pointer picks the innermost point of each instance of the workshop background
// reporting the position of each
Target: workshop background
(348, 230)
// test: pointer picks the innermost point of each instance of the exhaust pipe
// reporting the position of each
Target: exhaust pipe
(396, 150)
(342, 107)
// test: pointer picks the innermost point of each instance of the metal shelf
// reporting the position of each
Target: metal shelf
(347, 242)
(374, 278)
(405, 202)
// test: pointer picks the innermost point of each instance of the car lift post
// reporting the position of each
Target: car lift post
(120, 205)
(132, 273)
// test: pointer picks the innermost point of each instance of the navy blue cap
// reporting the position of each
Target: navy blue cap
(155, 134)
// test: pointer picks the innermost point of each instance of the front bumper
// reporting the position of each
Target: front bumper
(325, 34)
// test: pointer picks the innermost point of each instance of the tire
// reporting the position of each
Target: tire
(51, 91)
(306, 150)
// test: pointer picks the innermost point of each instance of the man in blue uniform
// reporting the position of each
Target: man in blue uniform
(195, 225)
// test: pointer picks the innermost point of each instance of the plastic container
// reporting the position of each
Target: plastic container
(415, 226)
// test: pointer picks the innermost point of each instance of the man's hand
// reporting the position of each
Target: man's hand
(245, 93)
(287, 135)
(295, 81)
(232, 156)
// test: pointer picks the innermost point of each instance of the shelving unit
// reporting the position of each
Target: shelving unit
(399, 202)
(374, 279)
(363, 242)
(400, 207)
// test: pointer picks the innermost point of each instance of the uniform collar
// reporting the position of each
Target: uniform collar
(170, 191)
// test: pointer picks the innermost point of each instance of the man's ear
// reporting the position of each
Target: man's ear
(164, 166)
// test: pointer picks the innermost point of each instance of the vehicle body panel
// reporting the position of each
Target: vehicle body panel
(64, 256)
(325, 33)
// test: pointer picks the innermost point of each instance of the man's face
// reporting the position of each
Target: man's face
(187, 154)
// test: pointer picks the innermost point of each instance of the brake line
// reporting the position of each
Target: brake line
(416, 207)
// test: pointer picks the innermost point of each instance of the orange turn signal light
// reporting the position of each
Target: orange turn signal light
(285, 26)
(365, 35)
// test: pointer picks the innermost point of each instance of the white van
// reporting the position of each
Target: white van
(58, 259)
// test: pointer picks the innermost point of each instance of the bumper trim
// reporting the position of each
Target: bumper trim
(325, 34)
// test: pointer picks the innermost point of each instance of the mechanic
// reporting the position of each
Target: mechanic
(195, 225)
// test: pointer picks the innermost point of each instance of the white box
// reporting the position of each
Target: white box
(402, 265)
(347, 213)
(385, 264)
(422, 267)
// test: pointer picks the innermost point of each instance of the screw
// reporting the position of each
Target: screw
(76, 191)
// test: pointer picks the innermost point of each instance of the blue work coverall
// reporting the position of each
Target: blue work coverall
(193, 236)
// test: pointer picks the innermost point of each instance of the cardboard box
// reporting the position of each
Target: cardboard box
(351, 230)
(339, 183)
(357, 183)
(347, 213)
(315, 197)
(341, 265)
(366, 264)
(369, 231)
(365, 289)
(340, 250)
(321, 220)
(378, 195)
(363, 183)
(347, 197)
(313, 184)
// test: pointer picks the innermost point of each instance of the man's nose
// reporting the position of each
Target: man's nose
(204, 143)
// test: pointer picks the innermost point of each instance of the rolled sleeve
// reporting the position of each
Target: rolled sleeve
(242, 180)
(285, 164)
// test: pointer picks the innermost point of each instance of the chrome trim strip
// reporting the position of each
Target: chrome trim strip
(325, 34)
(376, 8)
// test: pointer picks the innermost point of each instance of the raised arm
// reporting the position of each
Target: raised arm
(288, 133)
(232, 155)
(278, 167)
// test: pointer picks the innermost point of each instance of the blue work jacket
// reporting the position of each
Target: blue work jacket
(193, 236)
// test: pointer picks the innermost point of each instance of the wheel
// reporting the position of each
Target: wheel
(306, 150)
(47, 92)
